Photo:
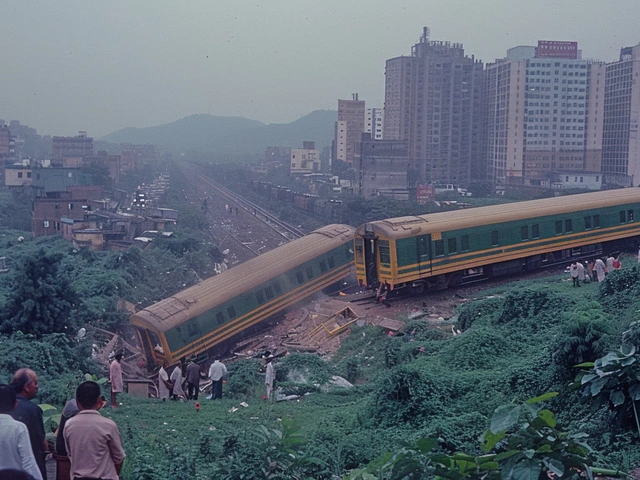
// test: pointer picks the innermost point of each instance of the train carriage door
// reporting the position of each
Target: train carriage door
(370, 256)
(423, 254)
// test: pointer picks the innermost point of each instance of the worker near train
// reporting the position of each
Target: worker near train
(164, 385)
(193, 379)
(177, 380)
(217, 371)
(600, 270)
(610, 261)
(270, 375)
(581, 275)
(115, 377)
(573, 270)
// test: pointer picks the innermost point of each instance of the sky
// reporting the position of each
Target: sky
(70, 65)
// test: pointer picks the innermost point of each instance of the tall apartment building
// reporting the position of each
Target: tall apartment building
(374, 122)
(64, 147)
(543, 114)
(433, 100)
(349, 129)
(620, 142)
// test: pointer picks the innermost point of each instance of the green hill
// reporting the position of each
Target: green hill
(230, 135)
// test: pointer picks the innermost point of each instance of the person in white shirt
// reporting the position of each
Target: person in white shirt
(217, 371)
(15, 444)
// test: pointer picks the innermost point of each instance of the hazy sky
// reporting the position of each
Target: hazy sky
(70, 65)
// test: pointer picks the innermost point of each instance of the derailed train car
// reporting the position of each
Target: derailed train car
(439, 250)
(205, 315)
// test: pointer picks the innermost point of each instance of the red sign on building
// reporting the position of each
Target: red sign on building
(555, 49)
(425, 193)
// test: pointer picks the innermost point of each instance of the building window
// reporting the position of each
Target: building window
(19, 174)
(46, 224)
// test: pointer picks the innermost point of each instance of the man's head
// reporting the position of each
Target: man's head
(7, 399)
(25, 383)
(118, 356)
(88, 396)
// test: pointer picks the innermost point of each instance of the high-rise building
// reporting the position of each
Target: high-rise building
(374, 122)
(433, 100)
(620, 142)
(540, 119)
(349, 129)
(79, 146)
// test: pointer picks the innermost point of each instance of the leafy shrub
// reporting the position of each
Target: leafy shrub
(531, 309)
(473, 311)
(584, 337)
(408, 394)
(243, 378)
(304, 368)
(478, 348)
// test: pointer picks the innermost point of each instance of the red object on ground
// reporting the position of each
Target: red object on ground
(197, 406)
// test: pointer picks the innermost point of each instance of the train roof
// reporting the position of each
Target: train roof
(409, 226)
(199, 298)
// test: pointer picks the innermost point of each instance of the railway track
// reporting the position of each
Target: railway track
(284, 229)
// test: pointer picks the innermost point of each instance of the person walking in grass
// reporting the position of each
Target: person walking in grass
(600, 270)
(270, 375)
(115, 377)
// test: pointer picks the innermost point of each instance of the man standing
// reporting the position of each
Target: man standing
(115, 376)
(193, 379)
(177, 380)
(164, 386)
(270, 375)
(217, 371)
(93, 441)
(573, 269)
(25, 385)
(14, 438)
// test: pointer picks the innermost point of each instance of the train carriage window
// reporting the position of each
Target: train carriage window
(587, 223)
(629, 215)
(623, 217)
(332, 262)
(568, 225)
(596, 221)
(323, 266)
(439, 248)
(524, 233)
(192, 329)
(495, 239)
(535, 231)
(452, 245)
(359, 250)
(220, 318)
(309, 273)
(299, 277)
(277, 287)
(464, 243)
(231, 311)
(260, 298)
(269, 293)
(385, 253)
(558, 227)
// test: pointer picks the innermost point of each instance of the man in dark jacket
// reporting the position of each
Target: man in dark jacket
(193, 379)
(25, 384)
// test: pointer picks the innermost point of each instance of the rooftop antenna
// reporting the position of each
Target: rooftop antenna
(425, 35)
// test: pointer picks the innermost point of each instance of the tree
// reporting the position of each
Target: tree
(41, 300)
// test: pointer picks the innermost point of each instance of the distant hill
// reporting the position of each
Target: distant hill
(231, 135)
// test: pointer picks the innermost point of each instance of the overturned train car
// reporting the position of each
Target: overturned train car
(439, 250)
(205, 315)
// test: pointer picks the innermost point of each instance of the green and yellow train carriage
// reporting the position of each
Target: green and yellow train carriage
(442, 249)
(221, 307)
